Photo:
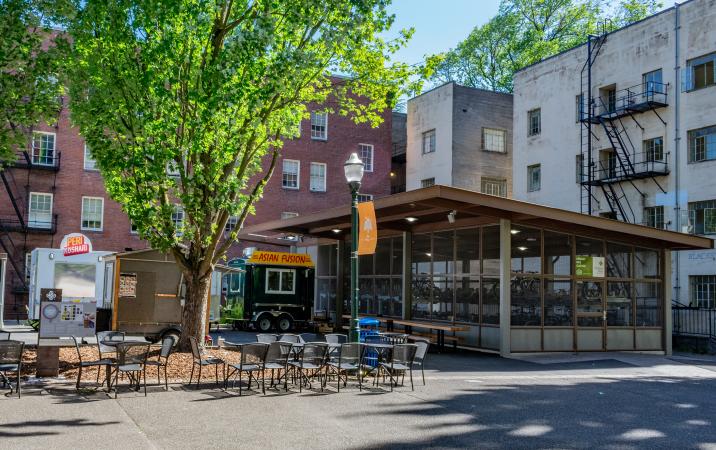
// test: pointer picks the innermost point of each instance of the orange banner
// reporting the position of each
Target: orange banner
(367, 229)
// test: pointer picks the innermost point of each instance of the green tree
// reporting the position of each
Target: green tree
(29, 64)
(208, 91)
(527, 31)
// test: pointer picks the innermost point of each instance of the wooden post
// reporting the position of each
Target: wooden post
(48, 361)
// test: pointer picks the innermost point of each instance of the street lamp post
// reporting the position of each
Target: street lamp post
(353, 169)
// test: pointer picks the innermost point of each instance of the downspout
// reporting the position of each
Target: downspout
(677, 160)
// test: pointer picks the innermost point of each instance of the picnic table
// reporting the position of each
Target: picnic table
(439, 327)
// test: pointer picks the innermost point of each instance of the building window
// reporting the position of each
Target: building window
(427, 182)
(654, 216)
(534, 178)
(28, 266)
(579, 168)
(280, 281)
(365, 151)
(90, 162)
(231, 224)
(365, 198)
(653, 83)
(133, 229)
(579, 107)
(288, 214)
(319, 125)
(700, 72)
(702, 216)
(703, 291)
(178, 219)
(318, 177)
(654, 149)
(92, 213)
(493, 140)
(43, 148)
(702, 144)
(608, 163)
(608, 96)
(290, 174)
(534, 122)
(429, 142)
(493, 186)
(40, 210)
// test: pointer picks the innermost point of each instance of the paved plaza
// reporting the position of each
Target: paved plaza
(471, 400)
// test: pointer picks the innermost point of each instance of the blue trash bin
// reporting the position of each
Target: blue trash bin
(369, 327)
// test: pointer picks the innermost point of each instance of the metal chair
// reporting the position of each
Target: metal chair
(131, 359)
(277, 360)
(292, 338)
(106, 363)
(110, 352)
(201, 359)
(335, 338)
(311, 337)
(311, 362)
(162, 361)
(4, 335)
(11, 361)
(420, 355)
(349, 358)
(400, 362)
(253, 360)
(266, 338)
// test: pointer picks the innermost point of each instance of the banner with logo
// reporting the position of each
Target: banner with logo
(367, 229)
(75, 244)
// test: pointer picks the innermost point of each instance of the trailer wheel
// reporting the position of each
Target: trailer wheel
(285, 323)
(264, 323)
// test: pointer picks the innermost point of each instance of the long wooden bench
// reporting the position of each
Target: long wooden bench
(439, 327)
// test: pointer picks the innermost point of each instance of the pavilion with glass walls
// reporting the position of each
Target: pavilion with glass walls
(519, 277)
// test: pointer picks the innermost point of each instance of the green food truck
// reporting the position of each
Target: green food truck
(274, 290)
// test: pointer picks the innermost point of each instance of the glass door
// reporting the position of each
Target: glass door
(591, 315)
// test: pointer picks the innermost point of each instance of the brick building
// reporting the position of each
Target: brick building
(53, 189)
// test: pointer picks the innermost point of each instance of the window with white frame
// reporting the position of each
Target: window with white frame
(90, 163)
(654, 149)
(178, 219)
(133, 229)
(365, 151)
(288, 215)
(427, 182)
(702, 216)
(534, 178)
(534, 122)
(43, 148)
(319, 125)
(40, 210)
(654, 216)
(493, 140)
(92, 213)
(703, 291)
(231, 223)
(493, 186)
(280, 281)
(429, 142)
(290, 173)
(702, 144)
(318, 177)
(365, 198)
(699, 73)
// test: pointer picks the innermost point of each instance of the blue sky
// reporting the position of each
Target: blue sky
(441, 24)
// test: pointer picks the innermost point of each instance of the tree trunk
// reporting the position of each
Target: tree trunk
(193, 318)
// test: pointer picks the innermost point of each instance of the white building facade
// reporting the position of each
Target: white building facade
(624, 127)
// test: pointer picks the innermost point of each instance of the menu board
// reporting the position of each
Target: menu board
(589, 266)
(67, 318)
(128, 285)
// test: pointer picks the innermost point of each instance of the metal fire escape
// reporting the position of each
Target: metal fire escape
(624, 163)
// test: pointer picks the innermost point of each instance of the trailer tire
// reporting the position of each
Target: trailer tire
(264, 323)
(284, 323)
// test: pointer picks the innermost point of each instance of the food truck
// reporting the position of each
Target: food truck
(276, 290)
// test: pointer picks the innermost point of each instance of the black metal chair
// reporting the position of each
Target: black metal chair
(311, 362)
(277, 360)
(4, 335)
(420, 355)
(11, 361)
(131, 359)
(266, 338)
(335, 338)
(292, 338)
(99, 364)
(108, 351)
(348, 359)
(201, 358)
(401, 361)
(162, 361)
(253, 361)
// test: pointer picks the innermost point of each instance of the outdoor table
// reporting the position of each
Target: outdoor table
(108, 370)
(382, 350)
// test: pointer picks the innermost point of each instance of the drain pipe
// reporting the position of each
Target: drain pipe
(677, 141)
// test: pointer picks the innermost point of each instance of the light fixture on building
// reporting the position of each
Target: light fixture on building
(411, 219)
(451, 216)
(392, 174)
(514, 231)
(522, 249)
(51, 256)
(531, 239)
(429, 255)
(336, 230)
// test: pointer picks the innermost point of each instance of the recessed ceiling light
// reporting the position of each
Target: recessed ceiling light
(514, 231)
(531, 239)
(428, 254)
(336, 230)
(411, 219)
(522, 249)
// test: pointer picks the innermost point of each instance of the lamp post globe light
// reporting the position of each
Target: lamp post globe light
(353, 169)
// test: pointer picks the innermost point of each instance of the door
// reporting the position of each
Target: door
(591, 315)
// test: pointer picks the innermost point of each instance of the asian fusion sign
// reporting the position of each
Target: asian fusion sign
(282, 259)
(75, 244)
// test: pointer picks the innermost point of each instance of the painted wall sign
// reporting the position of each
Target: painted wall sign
(75, 244)
(281, 259)
(589, 266)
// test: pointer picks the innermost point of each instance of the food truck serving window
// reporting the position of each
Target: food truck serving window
(280, 281)
(75, 280)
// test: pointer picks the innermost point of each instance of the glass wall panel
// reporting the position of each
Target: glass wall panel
(367, 297)
(619, 304)
(365, 264)
(421, 254)
(589, 247)
(422, 287)
(326, 297)
(589, 300)
(618, 260)
(526, 302)
(526, 250)
(382, 295)
(491, 250)
(491, 300)
(649, 305)
(558, 303)
(382, 257)
(467, 251)
(326, 260)
(557, 253)
(442, 298)
(467, 299)
(394, 307)
(443, 252)
(397, 265)
(646, 263)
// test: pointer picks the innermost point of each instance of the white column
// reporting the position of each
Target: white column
(668, 317)
(505, 309)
